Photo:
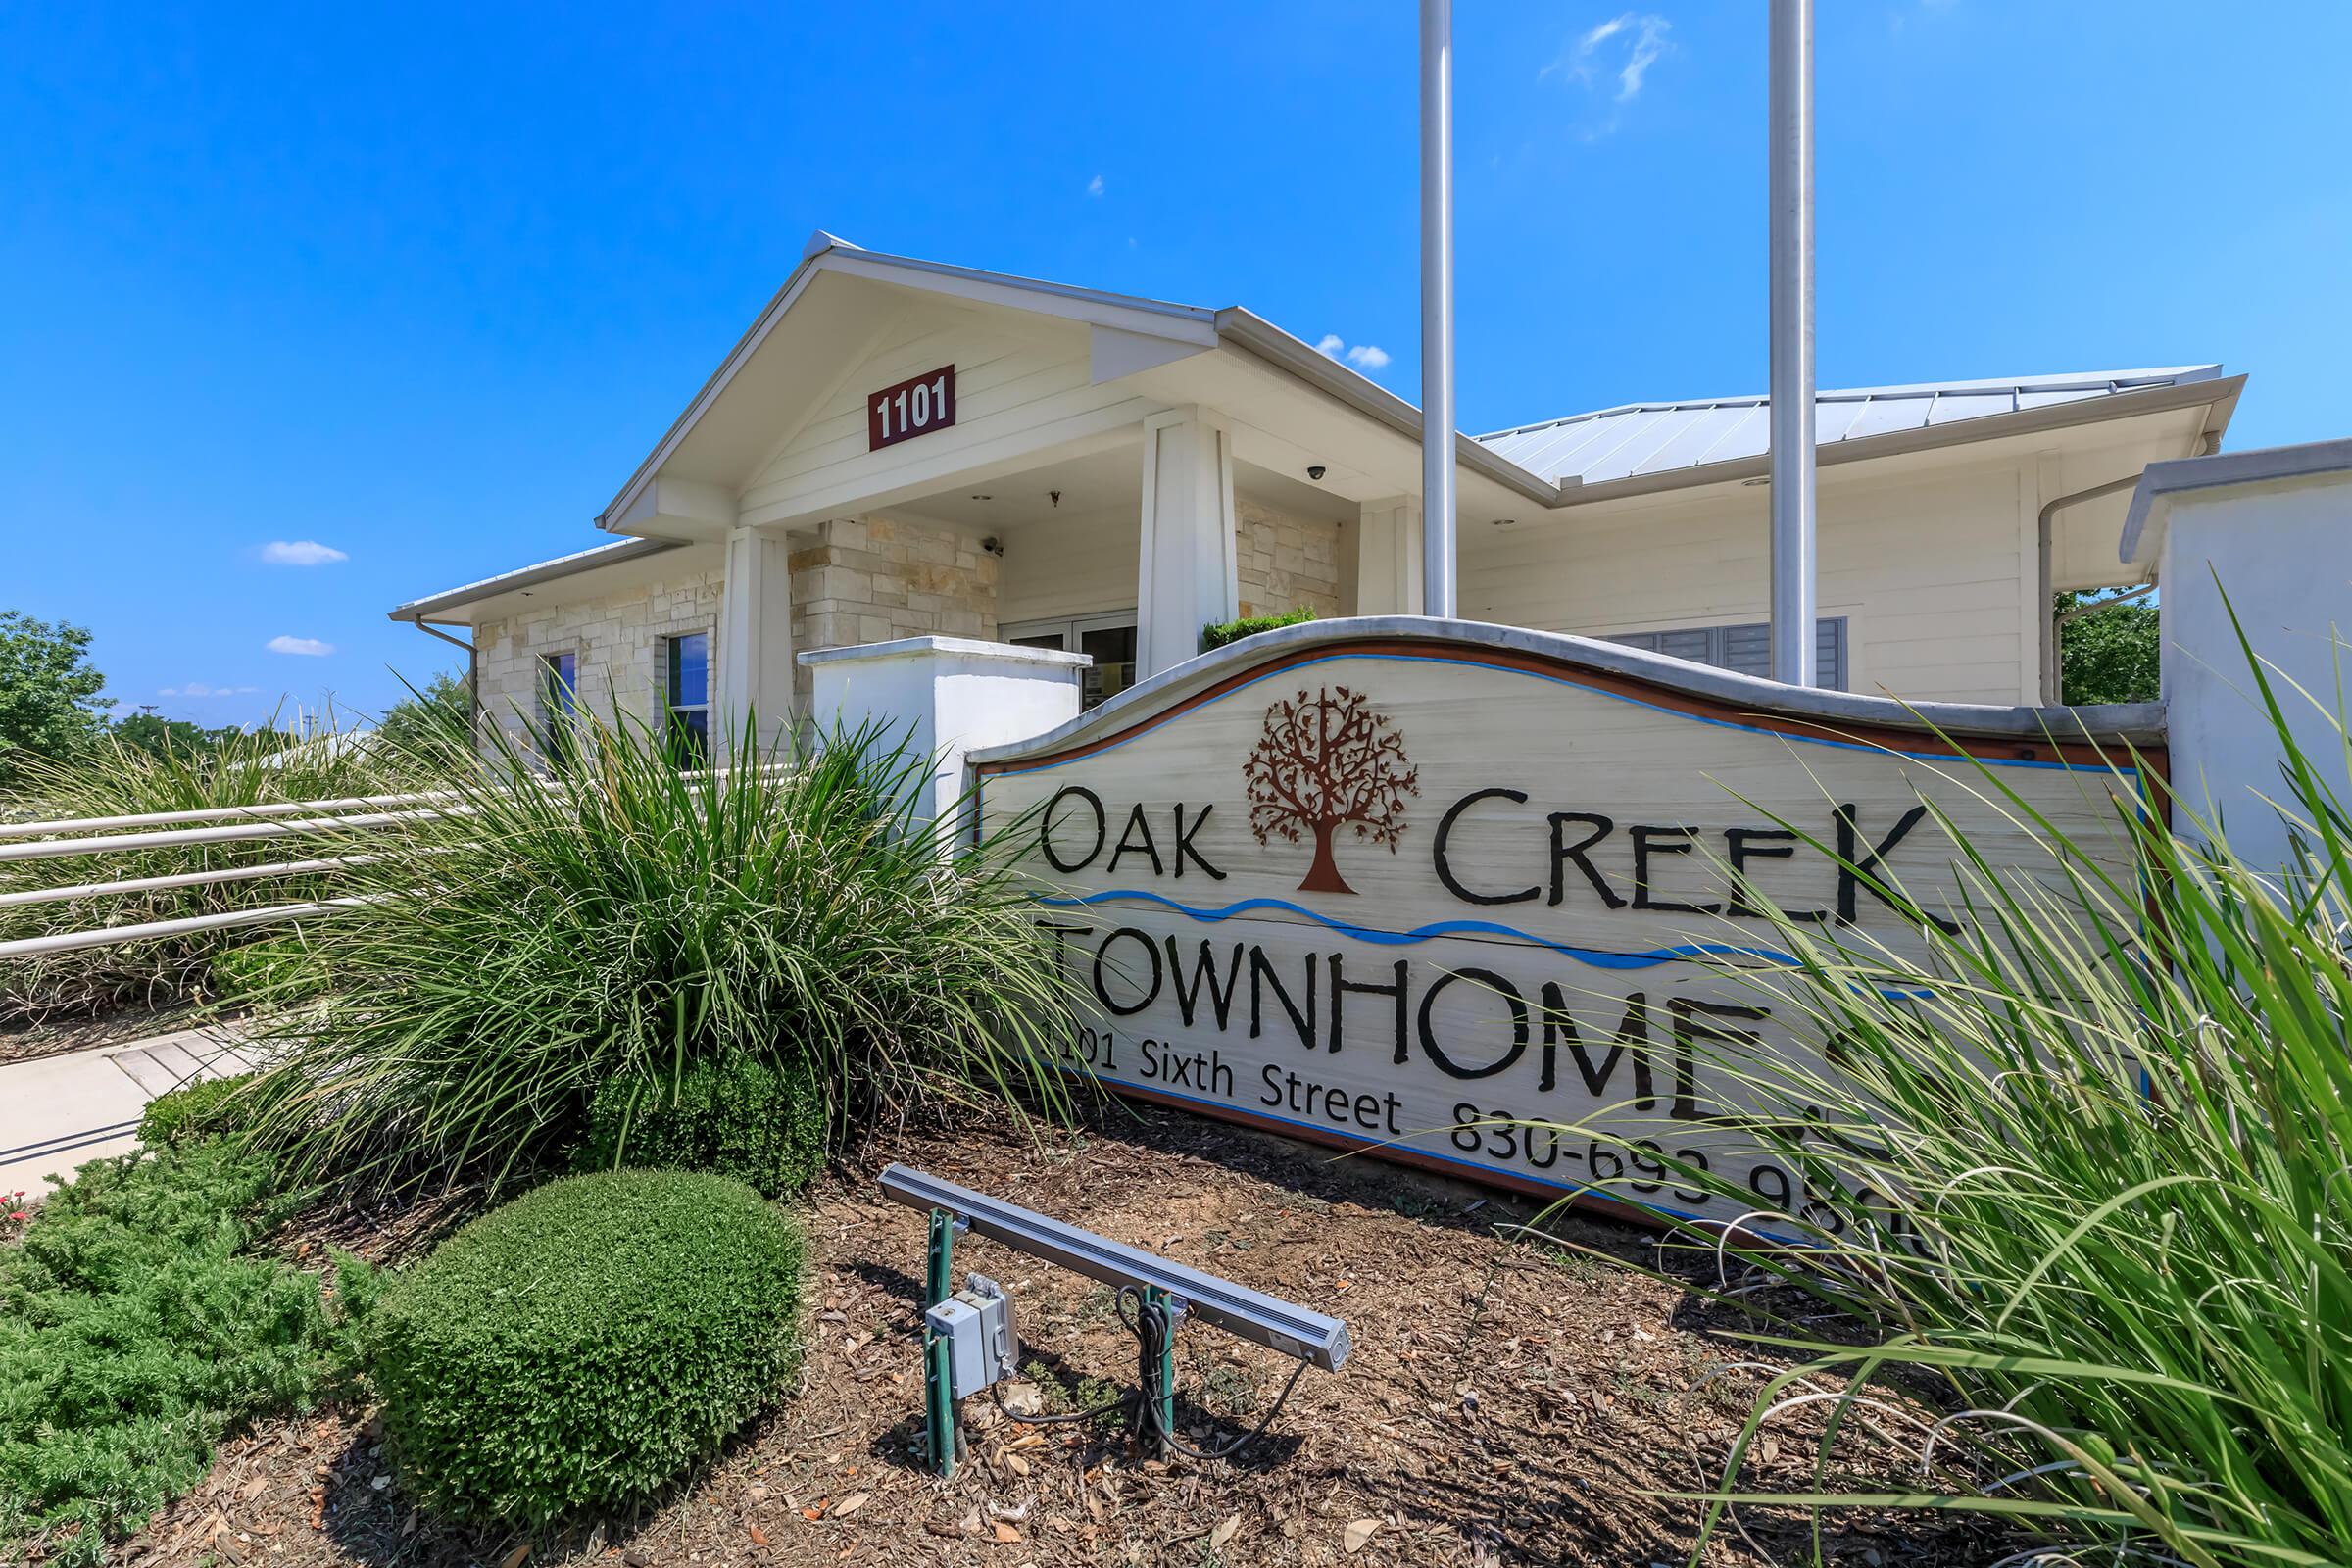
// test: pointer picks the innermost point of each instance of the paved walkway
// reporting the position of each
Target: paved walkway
(58, 1111)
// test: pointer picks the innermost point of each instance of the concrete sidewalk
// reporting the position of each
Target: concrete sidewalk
(58, 1111)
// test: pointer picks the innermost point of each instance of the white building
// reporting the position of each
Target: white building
(899, 447)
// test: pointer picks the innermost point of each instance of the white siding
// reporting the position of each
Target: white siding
(1926, 567)
(1015, 385)
(1069, 565)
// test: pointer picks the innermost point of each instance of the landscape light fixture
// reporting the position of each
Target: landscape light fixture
(969, 1341)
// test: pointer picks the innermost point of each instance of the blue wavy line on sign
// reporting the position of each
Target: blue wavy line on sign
(1598, 957)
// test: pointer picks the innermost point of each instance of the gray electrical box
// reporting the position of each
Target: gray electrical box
(976, 1323)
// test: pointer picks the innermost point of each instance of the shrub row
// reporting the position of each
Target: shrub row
(134, 1329)
(587, 1343)
(738, 1116)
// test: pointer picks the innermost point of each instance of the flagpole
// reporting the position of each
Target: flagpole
(1794, 589)
(1437, 309)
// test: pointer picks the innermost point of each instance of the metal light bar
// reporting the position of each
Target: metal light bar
(1247, 1314)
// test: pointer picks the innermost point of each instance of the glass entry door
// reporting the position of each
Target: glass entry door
(1108, 639)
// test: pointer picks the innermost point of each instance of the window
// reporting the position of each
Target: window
(558, 687)
(687, 718)
(1109, 639)
(1745, 649)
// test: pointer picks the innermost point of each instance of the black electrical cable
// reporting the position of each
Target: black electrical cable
(1154, 1326)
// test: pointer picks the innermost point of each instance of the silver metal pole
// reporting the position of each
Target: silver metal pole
(1436, 307)
(1794, 591)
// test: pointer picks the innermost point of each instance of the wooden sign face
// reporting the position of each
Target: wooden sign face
(916, 406)
(1400, 896)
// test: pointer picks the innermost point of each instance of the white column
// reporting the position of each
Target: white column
(1185, 577)
(755, 635)
(1388, 558)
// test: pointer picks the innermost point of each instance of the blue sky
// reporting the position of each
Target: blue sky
(423, 284)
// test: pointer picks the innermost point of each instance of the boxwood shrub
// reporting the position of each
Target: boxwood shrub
(738, 1116)
(587, 1343)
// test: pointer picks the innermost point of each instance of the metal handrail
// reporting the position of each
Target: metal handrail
(112, 936)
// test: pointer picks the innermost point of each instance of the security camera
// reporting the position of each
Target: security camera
(1314, 470)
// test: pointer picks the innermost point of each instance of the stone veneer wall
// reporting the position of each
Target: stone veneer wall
(876, 579)
(1283, 560)
(617, 641)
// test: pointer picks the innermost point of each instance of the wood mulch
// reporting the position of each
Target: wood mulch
(1509, 1401)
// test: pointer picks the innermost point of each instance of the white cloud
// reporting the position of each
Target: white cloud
(309, 647)
(1625, 46)
(197, 688)
(1094, 186)
(1363, 356)
(300, 552)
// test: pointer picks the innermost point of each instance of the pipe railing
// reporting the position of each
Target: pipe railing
(263, 820)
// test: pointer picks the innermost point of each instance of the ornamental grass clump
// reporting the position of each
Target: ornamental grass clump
(586, 1343)
(616, 917)
(2117, 1124)
(109, 778)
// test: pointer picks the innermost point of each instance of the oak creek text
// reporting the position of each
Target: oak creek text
(1561, 855)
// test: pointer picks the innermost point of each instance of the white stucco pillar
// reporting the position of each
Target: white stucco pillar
(1388, 558)
(2254, 542)
(755, 635)
(1184, 568)
(944, 696)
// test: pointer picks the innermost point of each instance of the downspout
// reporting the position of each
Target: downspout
(2047, 589)
(474, 682)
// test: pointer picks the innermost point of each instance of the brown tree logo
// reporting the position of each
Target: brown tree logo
(1325, 762)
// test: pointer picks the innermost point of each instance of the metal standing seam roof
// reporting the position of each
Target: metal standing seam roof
(1635, 439)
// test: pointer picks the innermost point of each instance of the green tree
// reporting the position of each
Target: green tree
(439, 715)
(167, 736)
(49, 701)
(2107, 648)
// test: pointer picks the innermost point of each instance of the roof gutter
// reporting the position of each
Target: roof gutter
(594, 560)
(2221, 393)
(473, 669)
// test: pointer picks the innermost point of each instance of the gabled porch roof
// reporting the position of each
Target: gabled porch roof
(786, 364)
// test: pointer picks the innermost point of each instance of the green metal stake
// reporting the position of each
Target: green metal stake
(938, 1399)
(1163, 1393)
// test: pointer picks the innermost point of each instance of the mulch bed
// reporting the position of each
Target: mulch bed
(1509, 1401)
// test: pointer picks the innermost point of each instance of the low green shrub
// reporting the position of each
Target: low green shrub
(587, 1343)
(738, 1116)
(1217, 633)
(205, 1108)
(135, 1331)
